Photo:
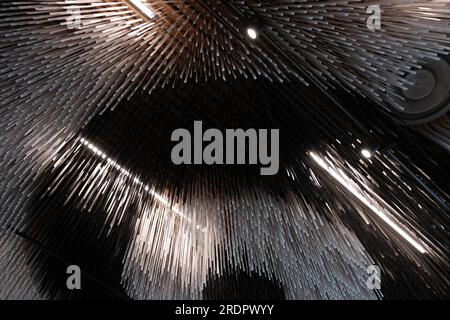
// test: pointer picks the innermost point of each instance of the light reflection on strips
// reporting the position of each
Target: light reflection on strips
(342, 179)
(136, 180)
(142, 7)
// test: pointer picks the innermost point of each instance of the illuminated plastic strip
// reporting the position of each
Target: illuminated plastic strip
(136, 180)
(143, 8)
(341, 179)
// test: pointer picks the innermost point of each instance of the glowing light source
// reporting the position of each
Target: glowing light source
(342, 179)
(252, 33)
(143, 8)
(136, 180)
(366, 153)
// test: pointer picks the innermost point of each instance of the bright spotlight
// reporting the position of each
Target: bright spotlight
(366, 153)
(252, 33)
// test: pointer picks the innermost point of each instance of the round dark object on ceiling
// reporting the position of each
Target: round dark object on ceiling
(428, 94)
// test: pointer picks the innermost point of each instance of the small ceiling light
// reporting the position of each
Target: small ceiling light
(254, 28)
(366, 153)
(369, 149)
(143, 9)
(252, 33)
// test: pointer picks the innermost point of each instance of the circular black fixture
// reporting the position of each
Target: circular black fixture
(427, 96)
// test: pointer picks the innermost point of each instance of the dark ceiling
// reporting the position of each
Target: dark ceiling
(124, 83)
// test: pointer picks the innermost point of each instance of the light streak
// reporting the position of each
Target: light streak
(135, 180)
(342, 179)
(143, 8)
